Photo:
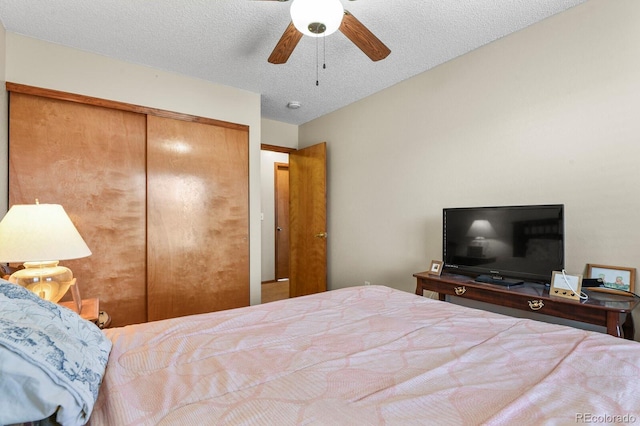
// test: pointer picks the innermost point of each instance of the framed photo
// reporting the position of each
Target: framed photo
(564, 285)
(614, 278)
(435, 268)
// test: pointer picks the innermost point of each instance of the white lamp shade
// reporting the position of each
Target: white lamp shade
(39, 232)
(326, 12)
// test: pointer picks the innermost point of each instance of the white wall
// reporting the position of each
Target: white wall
(546, 115)
(37, 63)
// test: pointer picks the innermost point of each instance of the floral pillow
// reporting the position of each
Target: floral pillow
(51, 360)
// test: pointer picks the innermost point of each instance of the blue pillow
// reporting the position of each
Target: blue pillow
(51, 360)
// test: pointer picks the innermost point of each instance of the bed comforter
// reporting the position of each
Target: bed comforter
(368, 356)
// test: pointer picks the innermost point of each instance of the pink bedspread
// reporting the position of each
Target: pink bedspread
(365, 355)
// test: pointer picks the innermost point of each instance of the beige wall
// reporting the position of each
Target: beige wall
(546, 115)
(279, 134)
(41, 64)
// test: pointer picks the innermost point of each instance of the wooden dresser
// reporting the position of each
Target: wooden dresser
(603, 309)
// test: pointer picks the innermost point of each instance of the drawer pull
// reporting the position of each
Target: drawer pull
(460, 290)
(536, 305)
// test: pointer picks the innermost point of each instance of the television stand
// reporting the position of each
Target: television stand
(498, 280)
(603, 309)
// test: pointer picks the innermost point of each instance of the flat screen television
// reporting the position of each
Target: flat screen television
(506, 244)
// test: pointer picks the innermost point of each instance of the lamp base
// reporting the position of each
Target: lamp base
(46, 279)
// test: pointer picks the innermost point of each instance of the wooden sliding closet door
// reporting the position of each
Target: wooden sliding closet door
(197, 217)
(90, 160)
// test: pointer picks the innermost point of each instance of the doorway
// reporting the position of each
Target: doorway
(281, 190)
(275, 204)
(299, 234)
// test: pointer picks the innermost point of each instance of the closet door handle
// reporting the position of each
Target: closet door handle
(321, 235)
(278, 229)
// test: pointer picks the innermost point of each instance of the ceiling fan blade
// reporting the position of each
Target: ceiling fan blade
(285, 46)
(360, 35)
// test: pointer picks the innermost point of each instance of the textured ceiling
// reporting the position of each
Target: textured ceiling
(228, 41)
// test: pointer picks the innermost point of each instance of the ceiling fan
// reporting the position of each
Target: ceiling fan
(319, 18)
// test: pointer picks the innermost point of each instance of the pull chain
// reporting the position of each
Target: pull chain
(324, 53)
(324, 58)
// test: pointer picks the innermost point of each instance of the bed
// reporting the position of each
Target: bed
(368, 356)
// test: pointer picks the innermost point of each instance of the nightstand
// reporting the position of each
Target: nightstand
(90, 309)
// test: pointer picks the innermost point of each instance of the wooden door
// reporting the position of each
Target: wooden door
(90, 160)
(197, 217)
(308, 220)
(282, 220)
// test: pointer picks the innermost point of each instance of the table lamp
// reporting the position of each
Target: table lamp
(40, 235)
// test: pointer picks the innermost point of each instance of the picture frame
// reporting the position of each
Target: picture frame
(616, 279)
(565, 285)
(435, 268)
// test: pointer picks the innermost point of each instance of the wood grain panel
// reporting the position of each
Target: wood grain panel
(91, 160)
(89, 100)
(308, 220)
(197, 218)
(275, 148)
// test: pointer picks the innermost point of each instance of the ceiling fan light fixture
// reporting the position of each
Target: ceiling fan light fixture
(317, 18)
